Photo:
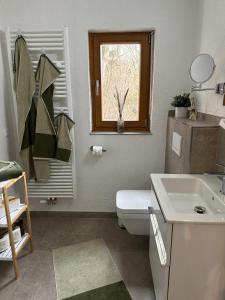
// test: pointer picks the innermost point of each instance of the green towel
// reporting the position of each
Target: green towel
(9, 170)
(45, 133)
(64, 143)
(24, 85)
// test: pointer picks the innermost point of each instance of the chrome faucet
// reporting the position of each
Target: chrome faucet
(223, 184)
(222, 177)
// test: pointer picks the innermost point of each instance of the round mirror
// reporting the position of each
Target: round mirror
(202, 68)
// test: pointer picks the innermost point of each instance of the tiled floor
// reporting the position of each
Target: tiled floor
(36, 281)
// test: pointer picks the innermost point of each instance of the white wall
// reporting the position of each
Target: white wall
(212, 41)
(129, 159)
(4, 149)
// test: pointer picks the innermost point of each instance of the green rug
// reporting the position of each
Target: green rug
(86, 271)
(115, 291)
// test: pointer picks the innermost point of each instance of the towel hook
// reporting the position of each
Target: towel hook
(43, 51)
(19, 32)
(62, 110)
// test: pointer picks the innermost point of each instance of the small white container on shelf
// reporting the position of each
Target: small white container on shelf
(4, 241)
(14, 204)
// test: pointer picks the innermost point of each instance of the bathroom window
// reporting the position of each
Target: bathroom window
(120, 68)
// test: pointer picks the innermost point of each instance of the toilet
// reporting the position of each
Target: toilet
(132, 210)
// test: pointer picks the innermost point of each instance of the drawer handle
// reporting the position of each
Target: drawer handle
(157, 237)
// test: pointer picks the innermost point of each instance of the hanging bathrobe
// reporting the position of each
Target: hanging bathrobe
(24, 85)
(64, 143)
(45, 133)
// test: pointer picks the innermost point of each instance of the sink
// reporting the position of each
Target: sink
(187, 193)
(189, 197)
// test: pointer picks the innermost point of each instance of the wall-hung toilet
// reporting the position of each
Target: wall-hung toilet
(132, 210)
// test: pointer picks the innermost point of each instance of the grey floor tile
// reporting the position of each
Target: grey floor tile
(37, 281)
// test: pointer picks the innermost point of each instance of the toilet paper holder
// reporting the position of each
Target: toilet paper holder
(103, 150)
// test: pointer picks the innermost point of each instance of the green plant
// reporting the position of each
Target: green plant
(181, 100)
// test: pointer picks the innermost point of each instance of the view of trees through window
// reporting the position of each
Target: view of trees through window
(120, 69)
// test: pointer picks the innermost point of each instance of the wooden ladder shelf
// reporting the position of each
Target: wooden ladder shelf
(8, 221)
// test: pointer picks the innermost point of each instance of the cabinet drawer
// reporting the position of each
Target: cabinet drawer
(160, 272)
(159, 249)
(163, 228)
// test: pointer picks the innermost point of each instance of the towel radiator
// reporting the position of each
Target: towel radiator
(55, 44)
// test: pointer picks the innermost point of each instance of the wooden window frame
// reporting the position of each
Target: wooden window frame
(145, 40)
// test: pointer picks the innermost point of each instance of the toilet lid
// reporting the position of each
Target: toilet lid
(133, 201)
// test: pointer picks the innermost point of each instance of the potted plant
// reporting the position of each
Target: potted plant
(181, 104)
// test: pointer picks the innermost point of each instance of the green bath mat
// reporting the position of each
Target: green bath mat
(86, 271)
(115, 291)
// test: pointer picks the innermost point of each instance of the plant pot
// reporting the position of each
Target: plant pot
(120, 126)
(181, 112)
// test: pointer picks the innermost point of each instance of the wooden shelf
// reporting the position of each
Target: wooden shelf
(12, 253)
(7, 254)
(8, 183)
(14, 216)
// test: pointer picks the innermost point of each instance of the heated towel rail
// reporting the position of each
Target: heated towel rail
(55, 45)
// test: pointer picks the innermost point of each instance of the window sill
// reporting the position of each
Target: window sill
(124, 133)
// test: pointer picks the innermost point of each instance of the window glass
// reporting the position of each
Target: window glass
(120, 71)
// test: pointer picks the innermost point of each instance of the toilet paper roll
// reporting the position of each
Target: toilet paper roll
(222, 123)
(97, 150)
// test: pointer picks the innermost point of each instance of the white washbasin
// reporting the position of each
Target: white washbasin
(180, 194)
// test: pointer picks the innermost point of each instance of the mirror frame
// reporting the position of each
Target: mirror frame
(214, 66)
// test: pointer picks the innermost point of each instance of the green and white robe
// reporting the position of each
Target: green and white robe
(45, 133)
(24, 85)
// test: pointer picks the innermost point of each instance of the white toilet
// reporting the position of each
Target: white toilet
(132, 210)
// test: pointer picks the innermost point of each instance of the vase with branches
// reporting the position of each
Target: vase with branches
(121, 100)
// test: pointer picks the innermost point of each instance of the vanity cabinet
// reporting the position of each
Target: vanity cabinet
(197, 267)
(198, 148)
(187, 259)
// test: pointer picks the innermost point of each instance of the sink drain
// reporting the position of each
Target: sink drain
(200, 209)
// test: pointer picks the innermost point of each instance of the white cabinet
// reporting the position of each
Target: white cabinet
(187, 259)
(159, 250)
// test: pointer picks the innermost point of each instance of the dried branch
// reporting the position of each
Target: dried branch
(124, 98)
(117, 97)
(119, 102)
